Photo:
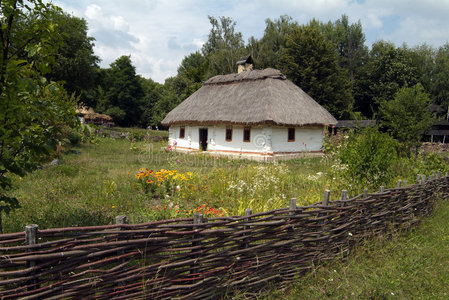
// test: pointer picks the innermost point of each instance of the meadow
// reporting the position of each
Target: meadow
(410, 265)
(142, 178)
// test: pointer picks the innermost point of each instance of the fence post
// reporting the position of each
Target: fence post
(365, 193)
(344, 196)
(423, 178)
(31, 239)
(248, 212)
(382, 189)
(418, 178)
(197, 219)
(325, 202)
(399, 183)
(292, 206)
(326, 197)
(119, 220)
(405, 183)
(292, 209)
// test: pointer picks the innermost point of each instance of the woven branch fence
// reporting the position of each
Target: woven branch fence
(204, 258)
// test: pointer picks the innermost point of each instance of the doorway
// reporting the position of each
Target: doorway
(203, 139)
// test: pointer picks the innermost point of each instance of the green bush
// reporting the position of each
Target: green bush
(74, 137)
(366, 158)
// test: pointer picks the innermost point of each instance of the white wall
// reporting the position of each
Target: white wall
(258, 140)
(306, 139)
(263, 139)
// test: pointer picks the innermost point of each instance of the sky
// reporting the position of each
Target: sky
(158, 34)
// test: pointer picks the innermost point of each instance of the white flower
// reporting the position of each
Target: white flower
(350, 234)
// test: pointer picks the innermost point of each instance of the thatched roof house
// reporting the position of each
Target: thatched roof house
(89, 116)
(254, 112)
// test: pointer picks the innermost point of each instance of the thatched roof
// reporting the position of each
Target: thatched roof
(97, 117)
(249, 98)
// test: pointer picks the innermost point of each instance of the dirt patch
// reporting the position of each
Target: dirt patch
(434, 148)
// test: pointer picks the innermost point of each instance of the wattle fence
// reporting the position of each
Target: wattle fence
(203, 258)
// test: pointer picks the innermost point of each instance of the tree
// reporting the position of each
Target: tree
(123, 98)
(168, 100)
(224, 47)
(76, 63)
(33, 112)
(349, 41)
(406, 117)
(423, 60)
(152, 94)
(440, 86)
(388, 70)
(269, 49)
(311, 63)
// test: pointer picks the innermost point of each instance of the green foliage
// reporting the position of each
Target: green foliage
(406, 117)
(33, 112)
(349, 40)
(440, 86)
(406, 266)
(311, 63)
(388, 70)
(367, 157)
(76, 64)
(123, 93)
(270, 48)
(224, 46)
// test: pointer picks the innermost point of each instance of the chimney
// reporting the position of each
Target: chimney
(244, 64)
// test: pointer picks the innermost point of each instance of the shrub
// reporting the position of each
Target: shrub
(74, 137)
(366, 158)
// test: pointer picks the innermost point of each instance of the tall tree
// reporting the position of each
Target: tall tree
(123, 98)
(349, 41)
(33, 112)
(270, 48)
(76, 63)
(440, 85)
(388, 70)
(224, 46)
(423, 60)
(152, 95)
(406, 117)
(311, 63)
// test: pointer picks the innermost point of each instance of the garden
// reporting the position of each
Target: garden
(137, 175)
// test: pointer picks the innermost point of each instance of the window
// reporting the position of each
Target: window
(228, 134)
(182, 132)
(246, 134)
(291, 134)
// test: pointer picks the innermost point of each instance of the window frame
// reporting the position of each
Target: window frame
(228, 128)
(289, 131)
(183, 131)
(247, 129)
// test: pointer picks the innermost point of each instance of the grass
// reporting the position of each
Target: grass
(99, 183)
(93, 187)
(409, 266)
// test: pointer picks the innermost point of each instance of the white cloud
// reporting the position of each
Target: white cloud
(159, 34)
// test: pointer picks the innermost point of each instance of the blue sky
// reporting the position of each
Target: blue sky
(159, 34)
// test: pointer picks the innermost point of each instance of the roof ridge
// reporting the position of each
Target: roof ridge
(252, 75)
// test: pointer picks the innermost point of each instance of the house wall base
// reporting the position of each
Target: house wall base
(257, 156)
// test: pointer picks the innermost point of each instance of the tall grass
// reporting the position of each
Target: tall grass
(409, 266)
(93, 187)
